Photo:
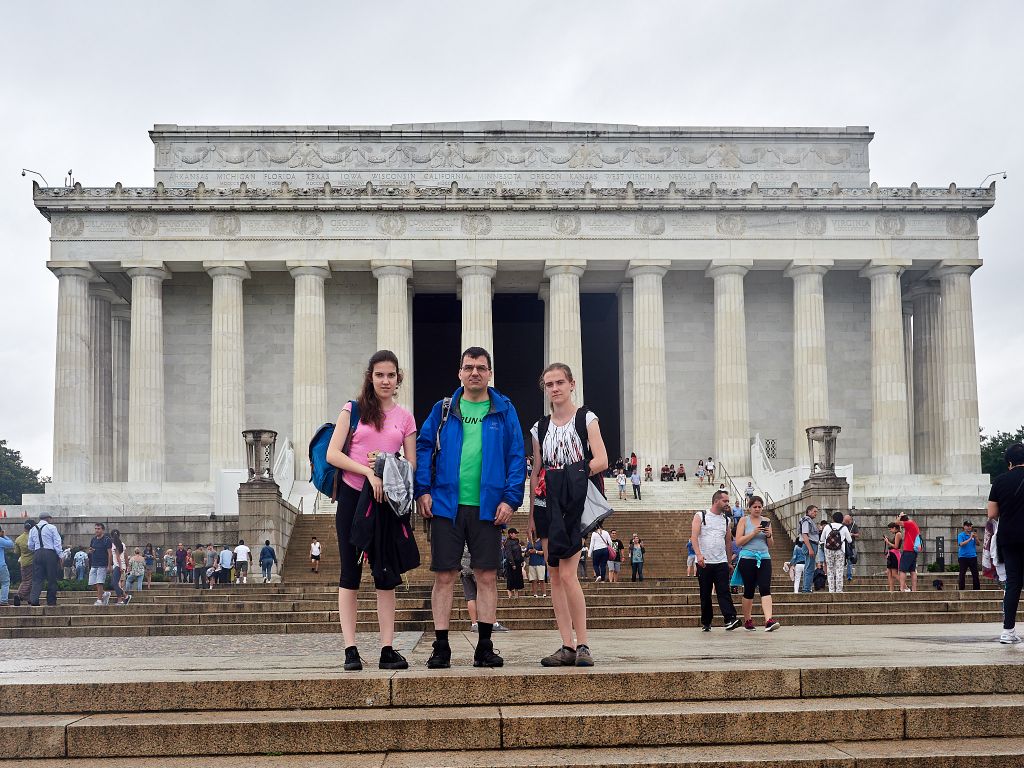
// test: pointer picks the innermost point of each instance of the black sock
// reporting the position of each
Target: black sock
(484, 630)
(442, 636)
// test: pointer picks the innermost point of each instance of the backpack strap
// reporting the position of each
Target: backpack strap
(542, 429)
(581, 430)
(353, 424)
(446, 409)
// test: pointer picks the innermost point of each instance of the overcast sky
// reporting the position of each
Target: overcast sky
(940, 83)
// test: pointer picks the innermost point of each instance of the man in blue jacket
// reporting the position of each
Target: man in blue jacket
(469, 491)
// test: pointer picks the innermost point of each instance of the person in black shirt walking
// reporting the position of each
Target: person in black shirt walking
(1006, 503)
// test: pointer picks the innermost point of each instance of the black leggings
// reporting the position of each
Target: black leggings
(756, 578)
(351, 558)
(1013, 559)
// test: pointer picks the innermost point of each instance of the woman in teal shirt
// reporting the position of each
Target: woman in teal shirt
(755, 565)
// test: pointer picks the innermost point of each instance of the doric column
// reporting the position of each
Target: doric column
(120, 345)
(565, 336)
(960, 377)
(477, 325)
(544, 294)
(890, 446)
(227, 367)
(650, 391)
(908, 366)
(101, 296)
(146, 449)
(309, 358)
(394, 318)
(72, 400)
(810, 365)
(732, 408)
(927, 385)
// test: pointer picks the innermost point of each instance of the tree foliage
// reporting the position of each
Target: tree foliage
(993, 450)
(15, 477)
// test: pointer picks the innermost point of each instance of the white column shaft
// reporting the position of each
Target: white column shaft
(927, 380)
(890, 446)
(650, 391)
(394, 318)
(309, 364)
(102, 451)
(960, 407)
(72, 402)
(732, 408)
(120, 344)
(227, 369)
(908, 365)
(810, 365)
(565, 336)
(146, 448)
(477, 296)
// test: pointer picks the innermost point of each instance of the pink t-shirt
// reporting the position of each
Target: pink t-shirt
(398, 425)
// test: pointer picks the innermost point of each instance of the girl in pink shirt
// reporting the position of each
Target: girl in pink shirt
(384, 426)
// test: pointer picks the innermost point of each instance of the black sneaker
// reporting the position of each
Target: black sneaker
(705, 627)
(392, 659)
(440, 657)
(352, 661)
(485, 655)
(733, 623)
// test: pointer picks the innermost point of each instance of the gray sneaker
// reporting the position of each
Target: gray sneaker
(106, 598)
(563, 657)
(583, 657)
(499, 627)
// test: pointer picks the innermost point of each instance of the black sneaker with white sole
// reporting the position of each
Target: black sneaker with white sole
(733, 623)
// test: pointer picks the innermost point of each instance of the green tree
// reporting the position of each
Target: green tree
(15, 477)
(993, 451)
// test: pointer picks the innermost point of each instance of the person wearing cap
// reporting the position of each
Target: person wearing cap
(967, 555)
(25, 558)
(44, 541)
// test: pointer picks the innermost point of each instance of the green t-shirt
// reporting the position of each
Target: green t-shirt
(472, 450)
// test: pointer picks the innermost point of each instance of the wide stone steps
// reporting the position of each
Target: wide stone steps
(804, 715)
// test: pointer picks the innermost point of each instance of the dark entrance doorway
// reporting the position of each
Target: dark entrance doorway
(599, 318)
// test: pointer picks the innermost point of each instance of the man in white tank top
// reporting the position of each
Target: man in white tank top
(711, 534)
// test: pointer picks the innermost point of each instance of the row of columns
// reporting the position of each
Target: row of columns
(95, 397)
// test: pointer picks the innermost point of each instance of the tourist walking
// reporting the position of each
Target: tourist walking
(536, 569)
(620, 481)
(835, 538)
(908, 557)
(711, 535)
(893, 546)
(635, 480)
(199, 578)
(700, 473)
(180, 555)
(470, 470)
(513, 557)
(709, 465)
(382, 426)
(5, 573)
(852, 553)
(81, 560)
(809, 534)
(99, 562)
(797, 564)
(615, 560)
(967, 556)
(170, 567)
(755, 566)
(150, 556)
(268, 559)
(691, 558)
(315, 547)
(242, 556)
(136, 571)
(599, 549)
(225, 560)
(119, 568)
(637, 553)
(568, 451)
(1006, 505)
(44, 540)
(25, 558)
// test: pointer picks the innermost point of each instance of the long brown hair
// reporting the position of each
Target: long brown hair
(370, 411)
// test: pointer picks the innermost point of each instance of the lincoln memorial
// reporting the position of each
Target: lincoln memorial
(716, 291)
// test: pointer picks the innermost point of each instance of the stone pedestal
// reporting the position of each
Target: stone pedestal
(810, 365)
(262, 515)
(565, 335)
(732, 408)
(309, 362)
(227, 367)
(146, 443)
(650, 390)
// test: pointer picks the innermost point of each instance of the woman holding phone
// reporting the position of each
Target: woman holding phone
(755, 565)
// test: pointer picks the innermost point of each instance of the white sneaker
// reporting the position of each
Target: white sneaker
(98, 602)
(473, 627)
(1009, 637)
(499, 627)
(106, 598)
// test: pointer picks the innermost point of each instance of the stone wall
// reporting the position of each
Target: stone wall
(690, 361)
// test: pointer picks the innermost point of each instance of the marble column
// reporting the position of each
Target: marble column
(732, 407)
(927, 379)
(120, 345)
(565, 336)
(101, 297)
(146, 446)
(908, 366)
(810, 364)
(309, 358)
(650, 390)
(890, 446)
(72, 401)
(394, 318)
(959, 375)
(227, 367)
(544, 294)
(477, 322)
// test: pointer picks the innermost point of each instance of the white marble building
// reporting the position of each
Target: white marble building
(763, 284)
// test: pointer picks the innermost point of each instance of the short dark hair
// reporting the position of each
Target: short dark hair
(809, 508)
(266, 543)
(241, 541)
(837, 517)
(968, 523)
(753, 499)
(100, 525)
(475, 352)
(513, 530)
(904, 517)
(1015, 454)
(717, 495)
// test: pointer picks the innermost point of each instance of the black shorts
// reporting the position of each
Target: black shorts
(540, 520)
(351, 558)
(448, 538)
(755, 578)
(314, 557)
(892, 562)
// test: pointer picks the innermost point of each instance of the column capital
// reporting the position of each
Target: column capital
(319, 269)
(908, 308)
(953, 267)
(564, 267)
(71, 268)
(481, 267)
(391, 267)
(647, 267)
(923, 287)
(544, 292)
(227, 269)
(797, 268)
(146, 269)
(101, 289)
(880, 268)
(731, 267)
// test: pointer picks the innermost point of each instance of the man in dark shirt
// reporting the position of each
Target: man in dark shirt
(1006, 502)
(99, 561)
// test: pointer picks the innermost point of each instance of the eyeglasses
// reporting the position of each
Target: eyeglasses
(478, 368)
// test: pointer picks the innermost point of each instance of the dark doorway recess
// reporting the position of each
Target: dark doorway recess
(599, 317)
(437, 333)
(519, 354)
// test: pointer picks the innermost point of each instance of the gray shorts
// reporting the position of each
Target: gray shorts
(614, 566)
(469, 588)
(97, 575)
(449, 538)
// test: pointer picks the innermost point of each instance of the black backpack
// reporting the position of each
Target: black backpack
(819, 580)
(834, 540)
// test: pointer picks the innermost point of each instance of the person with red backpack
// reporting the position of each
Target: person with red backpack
(834, 539)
